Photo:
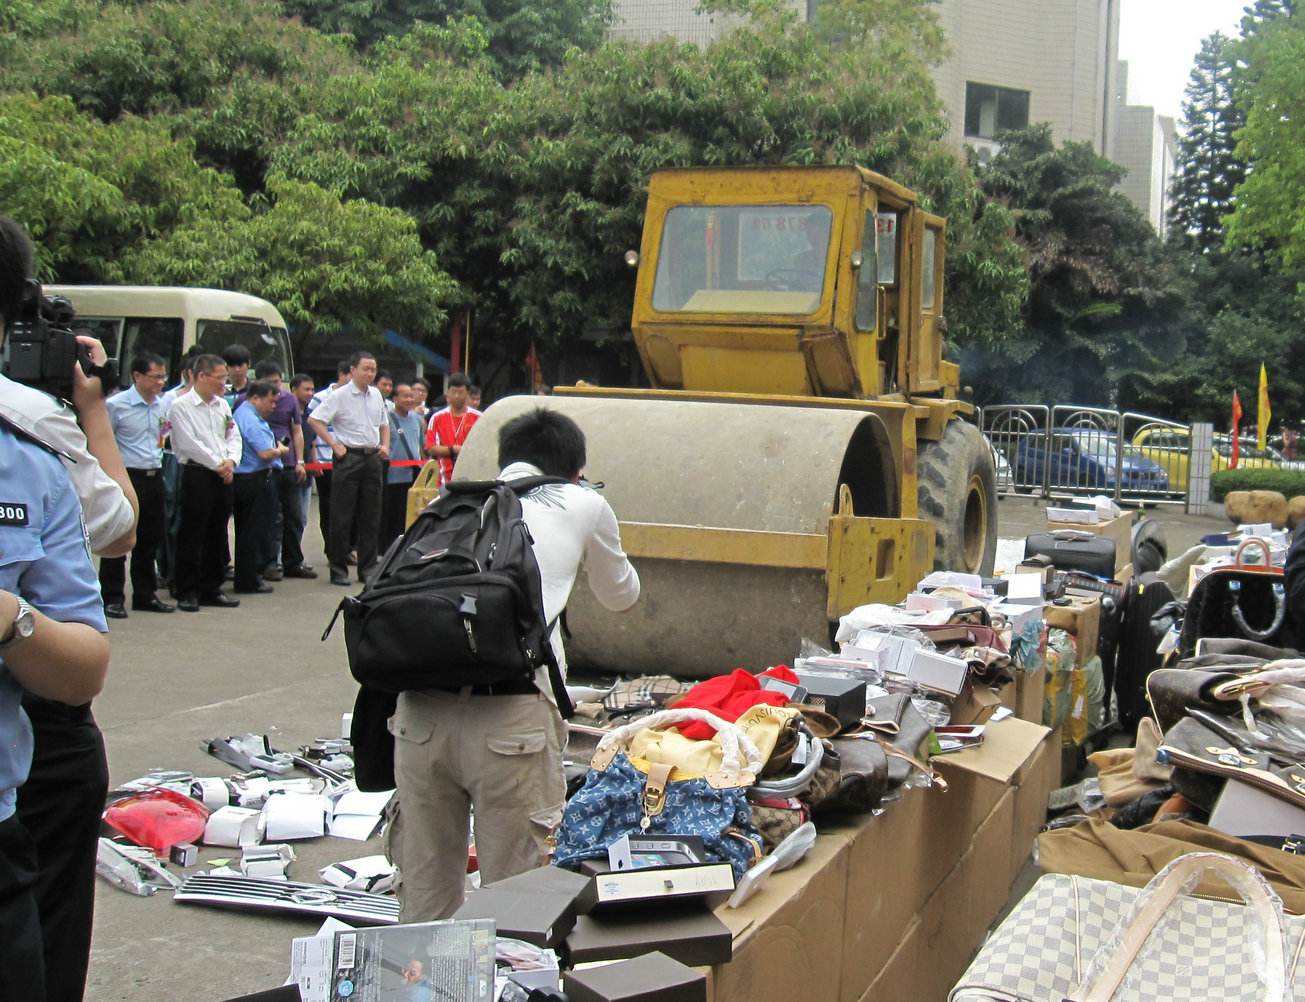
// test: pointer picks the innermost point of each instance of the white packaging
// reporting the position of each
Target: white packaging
(234, 827)
(939, 672)
(288, 817)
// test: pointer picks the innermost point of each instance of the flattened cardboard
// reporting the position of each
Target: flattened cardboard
(938, 944)
(788, 938)
(654, 977)
(692, 935)
(898, 860)
(536, 917)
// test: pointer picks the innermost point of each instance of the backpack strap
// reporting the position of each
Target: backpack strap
(555, 681)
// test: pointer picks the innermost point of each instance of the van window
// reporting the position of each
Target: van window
(263, 342)
(158, 335)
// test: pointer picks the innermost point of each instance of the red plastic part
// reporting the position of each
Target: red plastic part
(158, 819)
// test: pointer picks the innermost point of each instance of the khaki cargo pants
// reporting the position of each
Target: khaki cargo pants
(502, 754)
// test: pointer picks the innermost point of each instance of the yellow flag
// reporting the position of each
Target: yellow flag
(1263, 413)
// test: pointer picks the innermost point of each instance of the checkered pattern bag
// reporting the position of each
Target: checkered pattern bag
(1073, 939)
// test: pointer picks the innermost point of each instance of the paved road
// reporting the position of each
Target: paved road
(178, 679)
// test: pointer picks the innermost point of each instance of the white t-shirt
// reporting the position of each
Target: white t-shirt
(573, 525)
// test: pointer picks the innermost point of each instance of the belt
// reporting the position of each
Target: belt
(141, 471)
(366, 450)
(519, 687)
(255, 473)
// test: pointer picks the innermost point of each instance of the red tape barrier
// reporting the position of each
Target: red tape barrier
(394, 464)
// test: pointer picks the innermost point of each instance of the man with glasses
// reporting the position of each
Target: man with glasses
(207, 444)
(137, 416)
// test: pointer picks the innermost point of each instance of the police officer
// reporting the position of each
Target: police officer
(53, 658)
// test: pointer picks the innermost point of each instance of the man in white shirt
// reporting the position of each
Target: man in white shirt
(353, 421)
(502, 753)
(207, 444)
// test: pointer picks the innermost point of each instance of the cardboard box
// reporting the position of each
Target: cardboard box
(788, 938)
(692, 935)
(536, 917)
(653, 977)
(899, 860)
(978, 703)
(1035, 783)
(1081, 616)
(939, 943)
(1030, 689)
(1119, 529)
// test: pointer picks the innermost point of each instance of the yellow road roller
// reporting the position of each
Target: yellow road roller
(801, 448)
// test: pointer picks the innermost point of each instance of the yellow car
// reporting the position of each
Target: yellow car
(1169, 448)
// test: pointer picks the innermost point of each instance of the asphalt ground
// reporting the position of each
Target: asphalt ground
(179, 679)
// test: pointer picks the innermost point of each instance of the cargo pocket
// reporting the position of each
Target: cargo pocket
(521, 743)
(543, 830)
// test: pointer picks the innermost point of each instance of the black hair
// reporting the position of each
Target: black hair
(343, 366)
(203, 365)
(356, 358)
(143, 360)
(259, 389)
(543, 438)
(457, 379)
(384, 374)
(187, 363)
(266, 368)
(236, 354)
(424, 382)
(17, 265)
(300, 377)
(473, 389)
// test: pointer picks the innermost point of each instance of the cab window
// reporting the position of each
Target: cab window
(867, 277)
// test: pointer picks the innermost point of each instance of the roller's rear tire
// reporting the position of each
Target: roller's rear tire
(958, 494)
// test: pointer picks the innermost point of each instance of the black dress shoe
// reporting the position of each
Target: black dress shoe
(115, 610)
(188, 603)
(151, 604)
(219, 599)
(262, 589)
(273, 573)
(302, 571)
(339, 579)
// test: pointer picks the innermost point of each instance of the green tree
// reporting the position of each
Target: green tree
(1209, 169)
(1106, 304)
(328, 265)
(88, 190)
(523, 35)
(1272, 91)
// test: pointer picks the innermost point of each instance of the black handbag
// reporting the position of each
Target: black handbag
(1243, 601)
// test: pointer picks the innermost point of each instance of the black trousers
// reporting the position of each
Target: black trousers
(324, 507)
(290, 503)
(253, 503)
(151, 529)
(355, 494)
(20, 929)
(202, 542)
(60, 807)
(394, 513)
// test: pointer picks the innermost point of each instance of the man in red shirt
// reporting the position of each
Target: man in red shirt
(448, 428)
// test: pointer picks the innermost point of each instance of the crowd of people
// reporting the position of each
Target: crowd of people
(228, 442)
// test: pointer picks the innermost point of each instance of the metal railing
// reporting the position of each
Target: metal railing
(1068, 451)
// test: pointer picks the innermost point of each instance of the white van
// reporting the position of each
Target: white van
(168, 321)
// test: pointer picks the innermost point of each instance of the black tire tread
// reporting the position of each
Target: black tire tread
(943, 468)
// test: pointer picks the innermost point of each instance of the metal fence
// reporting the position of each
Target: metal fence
(1068, 451)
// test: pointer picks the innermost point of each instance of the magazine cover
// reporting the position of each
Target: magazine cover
(423, 962)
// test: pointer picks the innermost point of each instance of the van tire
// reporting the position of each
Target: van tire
(958, 494)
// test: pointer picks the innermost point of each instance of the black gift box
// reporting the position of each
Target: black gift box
(654, 977)
(540, 918)
(844, 698)
(690, 934)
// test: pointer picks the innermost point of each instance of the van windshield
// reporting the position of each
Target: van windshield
(263, 342)
(743, 259)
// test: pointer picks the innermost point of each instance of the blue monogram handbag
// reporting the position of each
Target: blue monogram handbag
(627, 796)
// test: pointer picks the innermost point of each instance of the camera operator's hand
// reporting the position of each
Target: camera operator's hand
(87, 390)
(338, 450)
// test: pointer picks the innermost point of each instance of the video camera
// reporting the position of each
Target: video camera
(42, 345)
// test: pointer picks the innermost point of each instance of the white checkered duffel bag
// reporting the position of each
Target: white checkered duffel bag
(1073, 939)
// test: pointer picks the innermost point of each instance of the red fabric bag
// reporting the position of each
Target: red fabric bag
(730, 696)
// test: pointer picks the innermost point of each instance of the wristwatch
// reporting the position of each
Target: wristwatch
(23, 626)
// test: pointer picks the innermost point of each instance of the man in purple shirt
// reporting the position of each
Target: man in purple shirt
(286, 483)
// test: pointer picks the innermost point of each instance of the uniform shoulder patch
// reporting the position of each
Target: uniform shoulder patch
(13, 513)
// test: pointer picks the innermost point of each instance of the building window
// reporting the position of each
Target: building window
(990, 110)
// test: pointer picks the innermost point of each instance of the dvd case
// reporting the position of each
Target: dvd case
(423, 962)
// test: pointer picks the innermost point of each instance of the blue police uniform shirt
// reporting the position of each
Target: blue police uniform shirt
(45, 559)
(258, 437)
(406, 434)
(137, 428)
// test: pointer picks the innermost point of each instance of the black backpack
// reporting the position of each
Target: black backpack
(457, 599)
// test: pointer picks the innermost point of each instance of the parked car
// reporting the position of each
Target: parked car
(1170, 449)
(1087, 458)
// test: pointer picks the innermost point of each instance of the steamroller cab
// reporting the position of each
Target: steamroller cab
(801, 448)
